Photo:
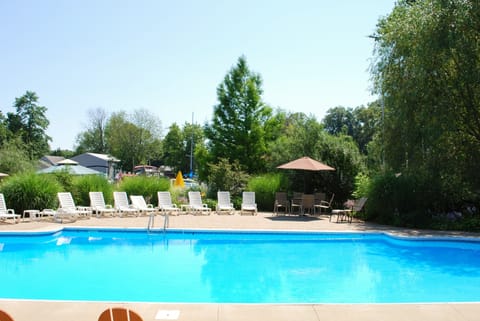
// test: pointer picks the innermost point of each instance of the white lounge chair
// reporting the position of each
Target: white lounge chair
(223, 203)
(7, 212)
(67, 208)
(195, 204)
(97, 203)
(165, 204)
(139, 203)
(122, 205)
(248, 203)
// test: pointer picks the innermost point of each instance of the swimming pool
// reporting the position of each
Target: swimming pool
(236, 267)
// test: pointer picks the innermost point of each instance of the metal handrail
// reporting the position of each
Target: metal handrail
(151, 222)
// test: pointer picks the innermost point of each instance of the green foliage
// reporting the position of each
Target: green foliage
(82, 185)
(402, 199)
(134, 139)
(14, 158)
(30, 191)
(265, 187)
(145, 186)
(304, 136)
(174, 148)
(361, 123)
(93, 139)
(426, 70)
(30, 123)
(339, 120)
(237, 132)
(225, 176)
(64, 178)
(362, 186)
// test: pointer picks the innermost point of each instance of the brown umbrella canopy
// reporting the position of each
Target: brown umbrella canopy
(307, 164)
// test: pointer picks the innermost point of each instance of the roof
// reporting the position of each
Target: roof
(105, 157)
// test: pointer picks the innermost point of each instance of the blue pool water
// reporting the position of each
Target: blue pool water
(229, 267)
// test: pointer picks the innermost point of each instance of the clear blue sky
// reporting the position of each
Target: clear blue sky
(169, 56)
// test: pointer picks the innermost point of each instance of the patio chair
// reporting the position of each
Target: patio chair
(324, 205)
(318, 199)
(296, 203)
(97, 203)
(165, 204)
(7, 212)
(281, 203)
(139, 203)
(195, 203)
(308, 202)
(248, 203)
(357, 207)
(122, 205)
(4, 316)
(223, 203)
(351, 208)
(119, 314)
(68, 209)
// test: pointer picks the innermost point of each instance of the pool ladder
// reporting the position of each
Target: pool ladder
(151, 221)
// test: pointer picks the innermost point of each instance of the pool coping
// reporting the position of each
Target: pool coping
(392, 234)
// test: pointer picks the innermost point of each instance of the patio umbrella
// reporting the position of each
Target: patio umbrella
(72, 169)
(306, 164)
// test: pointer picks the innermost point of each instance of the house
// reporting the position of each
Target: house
(47, 161)
(100, 162)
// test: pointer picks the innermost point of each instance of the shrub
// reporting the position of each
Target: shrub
(225, 176)
(362, 186)
(402, 199)
(82, 185)
(265, 187)
(30, 191)
(145, 186)
(65, 179)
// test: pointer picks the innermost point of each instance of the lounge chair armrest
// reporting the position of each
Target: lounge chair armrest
(10, 211)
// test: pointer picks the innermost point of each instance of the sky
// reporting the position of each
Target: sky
(169, 57)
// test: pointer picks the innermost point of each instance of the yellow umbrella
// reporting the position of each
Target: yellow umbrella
(179, 180)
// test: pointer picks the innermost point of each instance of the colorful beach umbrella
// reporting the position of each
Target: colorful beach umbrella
(179, 182)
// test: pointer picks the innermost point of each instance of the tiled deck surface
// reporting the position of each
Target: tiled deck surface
(23, 310)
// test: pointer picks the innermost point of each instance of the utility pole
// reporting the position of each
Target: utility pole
(191, 151)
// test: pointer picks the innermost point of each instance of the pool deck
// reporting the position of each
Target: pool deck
(26, 310)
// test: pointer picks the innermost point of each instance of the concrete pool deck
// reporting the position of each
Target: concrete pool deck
(23, 310)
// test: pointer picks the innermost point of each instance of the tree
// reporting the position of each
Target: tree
(304, 136)
(339, 120)
(134, 139)
(361, 123)
(426, 69)
(14, 158)
(30, 124)
(149, 133)
(4, 132)
(174, 148)
(367, 123)
(237, 129)
(93, 138)
(194, 138)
